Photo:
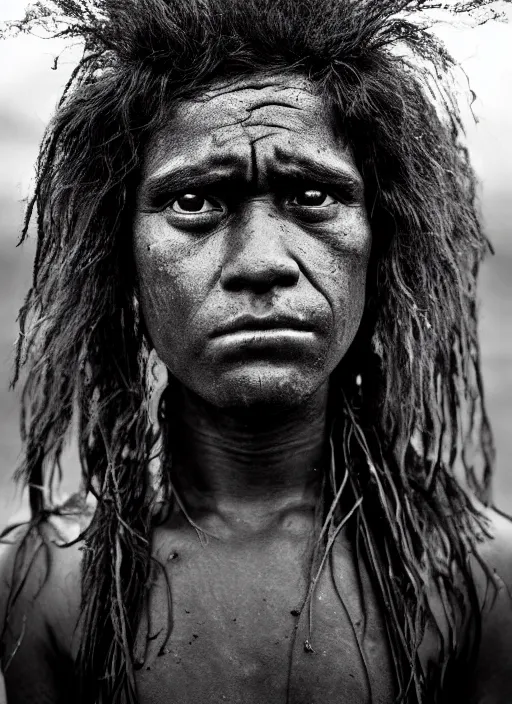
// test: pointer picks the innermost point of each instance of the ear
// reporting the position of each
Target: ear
(157, 378)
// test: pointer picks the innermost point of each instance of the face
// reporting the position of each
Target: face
(251, 243)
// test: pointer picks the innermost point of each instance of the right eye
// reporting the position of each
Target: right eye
(194, 204)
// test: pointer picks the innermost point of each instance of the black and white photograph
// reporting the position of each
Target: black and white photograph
(256, 352)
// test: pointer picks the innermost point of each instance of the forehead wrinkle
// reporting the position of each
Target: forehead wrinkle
(227, 88)
(243, 140)
(247, 123)
(292, 117)
(250, 126)
(256, 83)
(292, 121)
(273, 103)
(266, 114)
(231, 112)
(254, 178)
(296, 104)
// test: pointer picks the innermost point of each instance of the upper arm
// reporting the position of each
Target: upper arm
(491, 680)
(3, 696)
(37, 604)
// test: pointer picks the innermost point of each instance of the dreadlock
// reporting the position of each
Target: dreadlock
(409, 432)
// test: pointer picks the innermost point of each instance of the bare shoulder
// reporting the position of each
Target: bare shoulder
(39, 609)
(40, 568)
(495, 559)
(491, 680)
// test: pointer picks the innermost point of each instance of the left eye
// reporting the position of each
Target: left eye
(193, 204)
(312, 198)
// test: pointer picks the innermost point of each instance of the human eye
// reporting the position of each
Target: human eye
(312, 204)
(312, 198)
(194, 204)
(194, 211)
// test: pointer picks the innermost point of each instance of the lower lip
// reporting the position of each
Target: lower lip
(262, 338)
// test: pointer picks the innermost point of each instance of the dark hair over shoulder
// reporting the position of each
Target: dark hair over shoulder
(407, 401)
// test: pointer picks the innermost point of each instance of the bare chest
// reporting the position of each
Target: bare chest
(232, 624)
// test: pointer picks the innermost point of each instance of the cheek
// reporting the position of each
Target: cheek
(174, 280)
(352, 294)
(337, 265)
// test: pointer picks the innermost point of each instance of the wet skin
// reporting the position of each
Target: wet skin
(270, 224)
(251, 242)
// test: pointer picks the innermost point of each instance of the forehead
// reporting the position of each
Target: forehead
(248, 123)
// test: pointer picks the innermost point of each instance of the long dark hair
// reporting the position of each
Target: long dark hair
(409, 432)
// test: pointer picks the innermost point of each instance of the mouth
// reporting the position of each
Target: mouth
(271, 326)
(272, 337)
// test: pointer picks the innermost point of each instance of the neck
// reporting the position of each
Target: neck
(263, 465)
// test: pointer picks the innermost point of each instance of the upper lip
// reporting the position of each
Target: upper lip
(262, 322)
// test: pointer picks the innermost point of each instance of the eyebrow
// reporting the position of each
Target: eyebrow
(324, 173)
(191, 176)
(233, 172)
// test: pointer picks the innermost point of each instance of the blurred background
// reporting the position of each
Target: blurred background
(29, 88)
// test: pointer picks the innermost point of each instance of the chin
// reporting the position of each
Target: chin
(263, 388)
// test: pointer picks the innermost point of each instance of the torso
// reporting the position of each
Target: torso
(235, 635)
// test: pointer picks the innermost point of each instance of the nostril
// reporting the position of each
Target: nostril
(260, 279)
(289, 278)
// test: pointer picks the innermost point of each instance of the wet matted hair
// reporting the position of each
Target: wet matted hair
(409, 434)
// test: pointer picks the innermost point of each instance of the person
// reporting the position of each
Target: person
(254, 298)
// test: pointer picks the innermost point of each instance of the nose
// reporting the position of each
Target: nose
(256, 257)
